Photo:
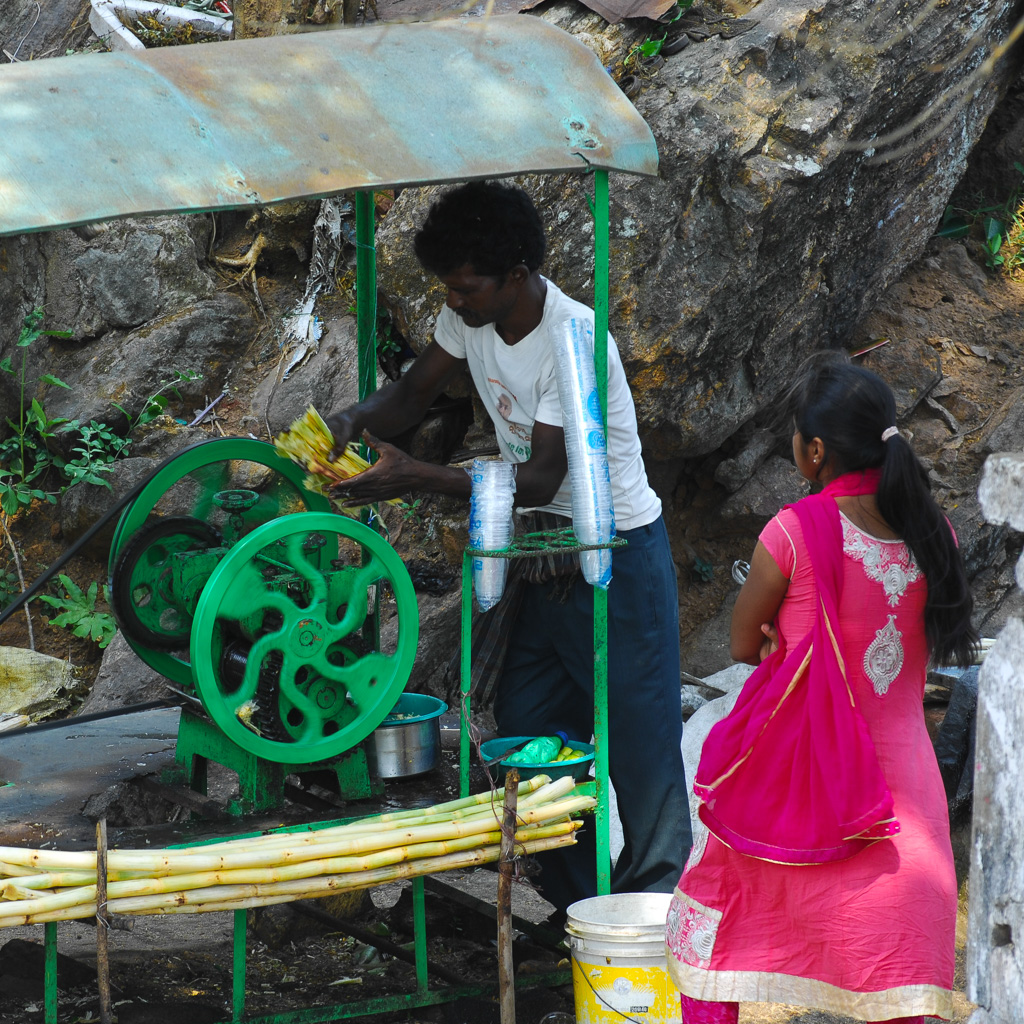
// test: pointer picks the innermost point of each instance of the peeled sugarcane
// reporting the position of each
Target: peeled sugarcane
(169, 862)
(22, 898)
(50, 885)
(308, 441)
(238, 896)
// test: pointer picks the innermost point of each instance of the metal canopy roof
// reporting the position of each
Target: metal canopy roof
(216, 126)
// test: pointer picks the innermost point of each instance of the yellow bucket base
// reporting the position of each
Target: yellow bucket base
(609, 993)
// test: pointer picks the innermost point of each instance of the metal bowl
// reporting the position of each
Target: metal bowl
(409, 745)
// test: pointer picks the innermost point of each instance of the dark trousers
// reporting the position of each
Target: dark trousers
(548, 685)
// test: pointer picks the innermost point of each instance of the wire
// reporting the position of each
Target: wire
(39, 11)
(601, 998)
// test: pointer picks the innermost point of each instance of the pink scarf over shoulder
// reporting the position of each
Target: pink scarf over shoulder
(791, 775)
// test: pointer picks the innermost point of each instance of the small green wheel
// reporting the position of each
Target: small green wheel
(145, 600)
(283, 652)
(188, 485)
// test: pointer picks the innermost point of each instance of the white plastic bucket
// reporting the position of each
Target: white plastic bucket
(618, 959)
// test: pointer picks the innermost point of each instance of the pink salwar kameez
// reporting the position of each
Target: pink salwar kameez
(870, 934)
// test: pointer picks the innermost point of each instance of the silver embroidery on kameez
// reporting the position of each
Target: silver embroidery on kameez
(887, 562)
(884, 657)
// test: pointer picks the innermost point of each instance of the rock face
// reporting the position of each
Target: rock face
(141, 308)
(995, 969)
(766, 234)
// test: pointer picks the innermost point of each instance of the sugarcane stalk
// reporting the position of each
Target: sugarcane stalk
(237, 897)
(169, 862)
(39, 903)
(474, 808)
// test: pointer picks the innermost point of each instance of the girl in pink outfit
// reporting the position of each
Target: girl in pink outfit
(827, 878)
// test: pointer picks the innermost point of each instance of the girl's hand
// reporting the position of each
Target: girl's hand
(770, 643)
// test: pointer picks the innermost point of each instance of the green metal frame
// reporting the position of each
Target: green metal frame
(531, 546)
(260, 781)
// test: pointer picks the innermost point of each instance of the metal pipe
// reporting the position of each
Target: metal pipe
(238, 966)
(466, 673)
(602, 819)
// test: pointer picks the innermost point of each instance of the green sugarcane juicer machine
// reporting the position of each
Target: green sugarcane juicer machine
(263, 608)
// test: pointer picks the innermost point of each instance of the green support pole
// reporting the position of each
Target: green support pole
(366, 335)
(238, 968)
(466, 674)
(50, 972)
(366, 294)
(601, 258)
(419, 921)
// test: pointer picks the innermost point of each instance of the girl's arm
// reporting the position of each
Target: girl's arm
(752, 637)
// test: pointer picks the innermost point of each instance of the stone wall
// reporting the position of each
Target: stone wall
(995, 968)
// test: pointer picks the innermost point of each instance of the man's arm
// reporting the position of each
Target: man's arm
(395, 473)
(399, 405)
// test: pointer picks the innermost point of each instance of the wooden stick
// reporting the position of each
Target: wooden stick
(506, 866)
(102, 921)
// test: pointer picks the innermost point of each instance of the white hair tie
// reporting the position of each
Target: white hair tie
(889, 432)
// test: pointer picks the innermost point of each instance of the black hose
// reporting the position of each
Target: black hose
(95, 716)
(96, 527)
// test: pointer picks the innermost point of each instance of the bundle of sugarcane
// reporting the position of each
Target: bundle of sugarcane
(51, 885)
(308, 441)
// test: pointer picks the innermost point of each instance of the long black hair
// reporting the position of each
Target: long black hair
(849, 408)
(490, 225)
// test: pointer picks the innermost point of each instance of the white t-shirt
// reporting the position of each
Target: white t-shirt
(517, 385)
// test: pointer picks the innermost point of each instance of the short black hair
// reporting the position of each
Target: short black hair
(489, 225)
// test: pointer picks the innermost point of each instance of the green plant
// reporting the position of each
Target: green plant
(651, 46)
(98, 447)
(702, 571)
(10, 587)
(78, 611)
(994, 231)
(411, 512)
(1001, 224)
(387, 343)
(158, 401)
(26, 454)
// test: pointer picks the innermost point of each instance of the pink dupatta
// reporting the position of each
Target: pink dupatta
(791, 775)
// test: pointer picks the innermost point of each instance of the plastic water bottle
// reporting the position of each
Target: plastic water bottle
(593, 517)
(490, 526)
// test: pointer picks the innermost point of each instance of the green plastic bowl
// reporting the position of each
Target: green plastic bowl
(578, 767)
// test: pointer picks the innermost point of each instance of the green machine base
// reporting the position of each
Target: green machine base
(260, 782)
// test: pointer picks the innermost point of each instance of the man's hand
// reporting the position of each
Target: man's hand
(392, 475)
(343, 425)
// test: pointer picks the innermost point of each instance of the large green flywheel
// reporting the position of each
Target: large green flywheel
(281, 654)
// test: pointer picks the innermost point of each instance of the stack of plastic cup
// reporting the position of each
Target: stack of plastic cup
(490, 526)
(593, 517)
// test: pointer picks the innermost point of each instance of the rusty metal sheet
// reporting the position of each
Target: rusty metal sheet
(225, 125)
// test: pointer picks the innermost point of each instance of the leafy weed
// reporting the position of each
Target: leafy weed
(78, 611)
